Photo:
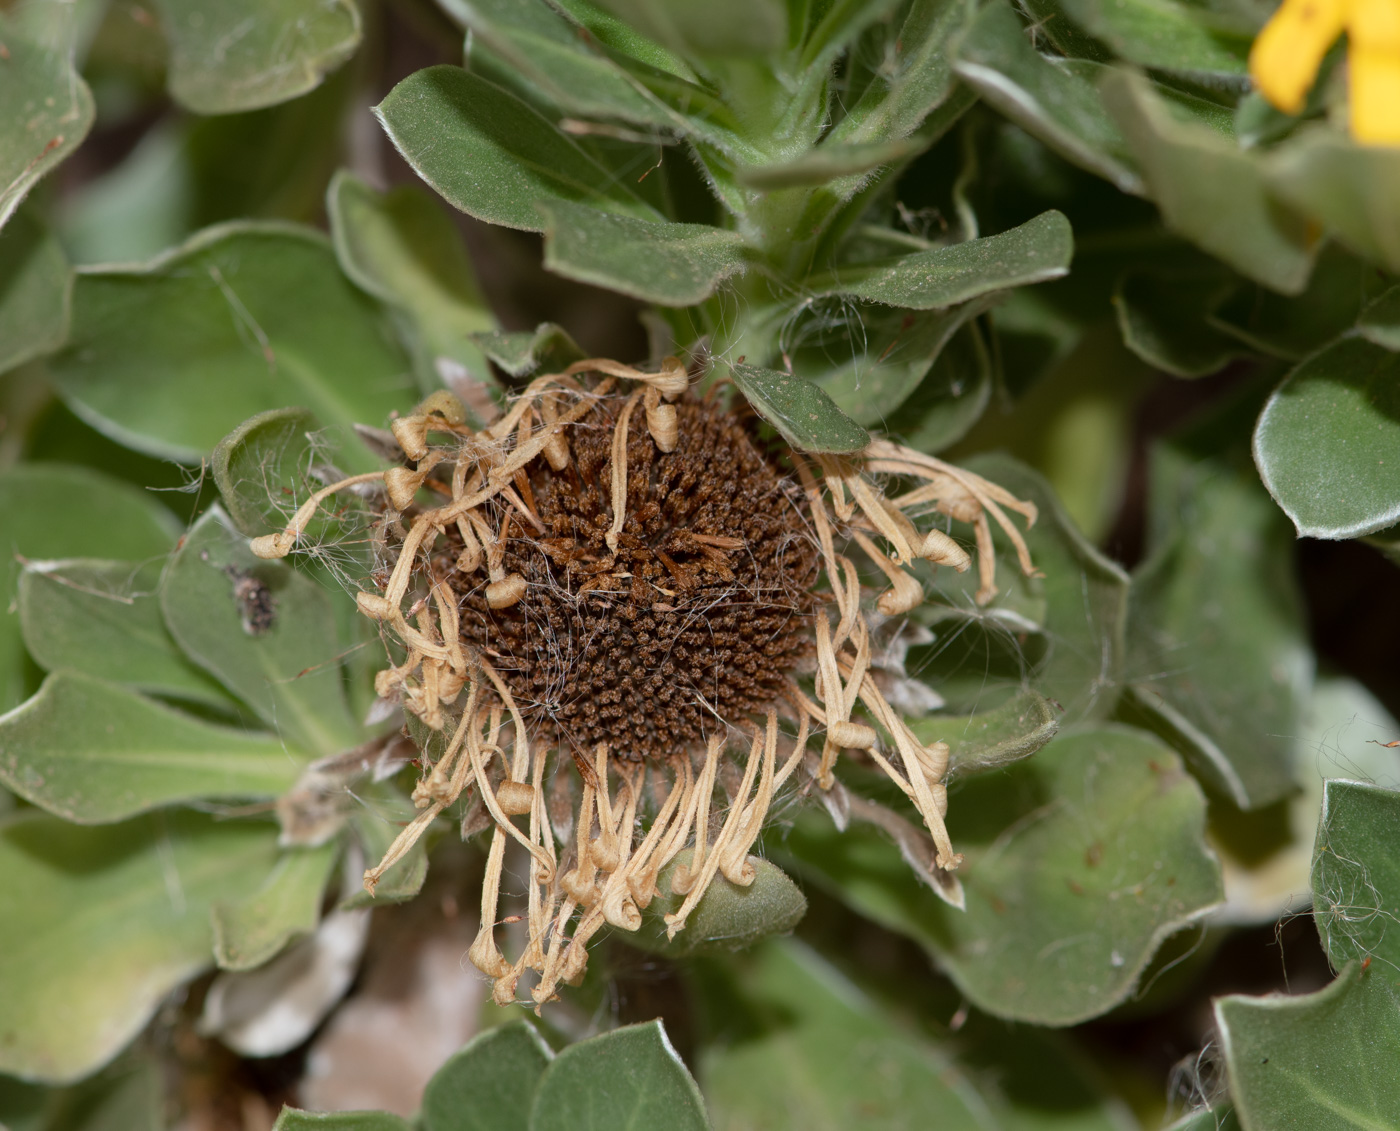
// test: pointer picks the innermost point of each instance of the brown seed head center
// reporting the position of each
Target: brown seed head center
(698, 617)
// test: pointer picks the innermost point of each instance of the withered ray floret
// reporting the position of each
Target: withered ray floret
(636, 590)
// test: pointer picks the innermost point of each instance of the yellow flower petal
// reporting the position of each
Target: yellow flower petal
(1289, 50)
(1375, 96)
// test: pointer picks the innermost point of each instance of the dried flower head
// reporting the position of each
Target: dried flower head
(603, 593)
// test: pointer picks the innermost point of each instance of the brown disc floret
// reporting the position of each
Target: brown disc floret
(696, 619)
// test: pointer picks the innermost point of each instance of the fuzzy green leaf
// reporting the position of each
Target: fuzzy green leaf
(103, 619)
(1037, 250)
(654, 260)
(97, 925)
(1327, 440)
(36, 287)
(1293, 326)
(564, 61)
(1352, 190)
(231, 55)
(727, 27)
(1379, 322)
(1063, 631)
(169, 357)
(128, 1095)
(249, 931)
(45, 112)
(1080, 861)
(1220, 659)
(1322, 1061)
(728, 917)
(262, 469)
(292, 1119)
(376, 826)
(813, 1051)
(900, 351)
(92, 752)
(282, 663)
(825, 163)
(401, 247)
(547, 349)
(487, 1086)
(802, 413)
(995, 738)
(1356, 874)
(1167, 36)
(630, 1077)
(492, 155)
(1267, 861)
(1210, 190)
(1056, 100)
(56, 511)
(949, 400)
(1163, 317)
(915, 78)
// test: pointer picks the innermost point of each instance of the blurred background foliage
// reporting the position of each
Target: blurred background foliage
(1063, 242)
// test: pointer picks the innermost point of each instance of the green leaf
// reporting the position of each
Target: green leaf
(1379, 322)
(376, 825)
(1056, 100)
(52, 510)
(805, 416)
(825, 163)
(808, 1049)
(950, 399)
(1037, 250)
(36, 288)
(262, 469)
(1321, 1060)
(1324, 439)
(653, 260)
(103, 619)
(1167, 36)
(1324, 1059)
(291, 1119)
(402, 248)
(728, 917)
(1210, 190)
(169, 357)
(915, 76)
(1080, 861)
(97, 925)
(1063, 632)
(1356, 874)
(1164, 318)
(249, 931)
(899, 350)
(1220, 658)
(1292, 327)
(546, 349)
(727, 27)
(45, 112)
(92, 752)
(487, 1086)
(1351, 190)
(995, 738)
(284, 664)
(630, 1077)
(128, 1095)
(492, 155)
(1266, 856)
(240, 55)
(565, 62)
